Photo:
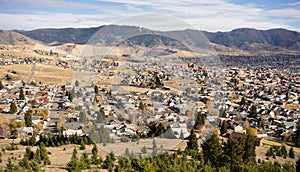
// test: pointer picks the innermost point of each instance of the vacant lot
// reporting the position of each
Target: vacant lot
(49, 74)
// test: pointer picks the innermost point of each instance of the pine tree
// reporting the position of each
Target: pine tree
(181, 135)
(96, 89)
(94, 157)
(1, 85)
(21, 95)
(82, 117)
(154, 148)
(84, 162)
(13, 107)
(200, 121)
(73, 165)
(28, 118)
(69, 95)
(212, 151)
(243, 101)
(291, 153)
(28, 153)
(126, 153)
(249, 149)
(24, 163)
(144, 150)
(253, 111)
(76, 83)
(297, 136)
(108, 162)
(234, 152)
(287, 96)
(82, 145)
(37, 156)
(9, 166)
(223, 129)
(298, 165)
(192, 143)
(141, 106)
(283, 151)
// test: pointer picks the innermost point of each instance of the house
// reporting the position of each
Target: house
(239, 129)
(244, 136)
(23, 132)
(72, 132)
(180, 128)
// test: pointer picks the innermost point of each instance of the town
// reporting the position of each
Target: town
(122, 103)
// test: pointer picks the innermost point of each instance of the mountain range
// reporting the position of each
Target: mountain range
(243, 40)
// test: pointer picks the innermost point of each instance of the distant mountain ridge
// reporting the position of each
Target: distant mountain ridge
(243, 39)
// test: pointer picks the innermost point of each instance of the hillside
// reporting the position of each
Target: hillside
(244, 40)
(14, 38)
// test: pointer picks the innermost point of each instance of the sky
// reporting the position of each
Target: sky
(209, 15)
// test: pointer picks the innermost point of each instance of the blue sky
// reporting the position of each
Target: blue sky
(213, 15)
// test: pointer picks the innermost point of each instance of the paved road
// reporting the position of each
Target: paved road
(31, 72)
(55, 111)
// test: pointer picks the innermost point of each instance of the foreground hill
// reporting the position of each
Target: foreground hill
(243, 41)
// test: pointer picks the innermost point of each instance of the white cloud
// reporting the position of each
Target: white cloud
(285, 12)
(214, 15)
(295, 3)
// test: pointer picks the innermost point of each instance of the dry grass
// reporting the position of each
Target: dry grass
(291, 106)
(58, 157)
(49, 74)
(167, 145)
(266, 144)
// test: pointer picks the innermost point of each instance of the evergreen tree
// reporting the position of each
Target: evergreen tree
(76, 83)
(126, 153)
(1, 85)
(84, 162)
(82, 117)
(288, 167)
(154, 148)
(24, 163)
(13, 107)
(234, 152)
(100, 116)
(287, 96)
(28, 118)
(35, 166)
(28, 153)
(291, 153)
(82, 145)
(283, 151)
(144, 150)
(249, 150)
(223, 129)
(73, 165)
(243, 101)
(108, 162)
(96, 89)
(95, 159)
(69, 95)
(181, 135)
(192, 143)
(73, 92)
(253, 111)
(9, 166)
(37, 156)
(298, 165)
(212, 151)
(297, 136)
(21, 95)
(200, 121)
